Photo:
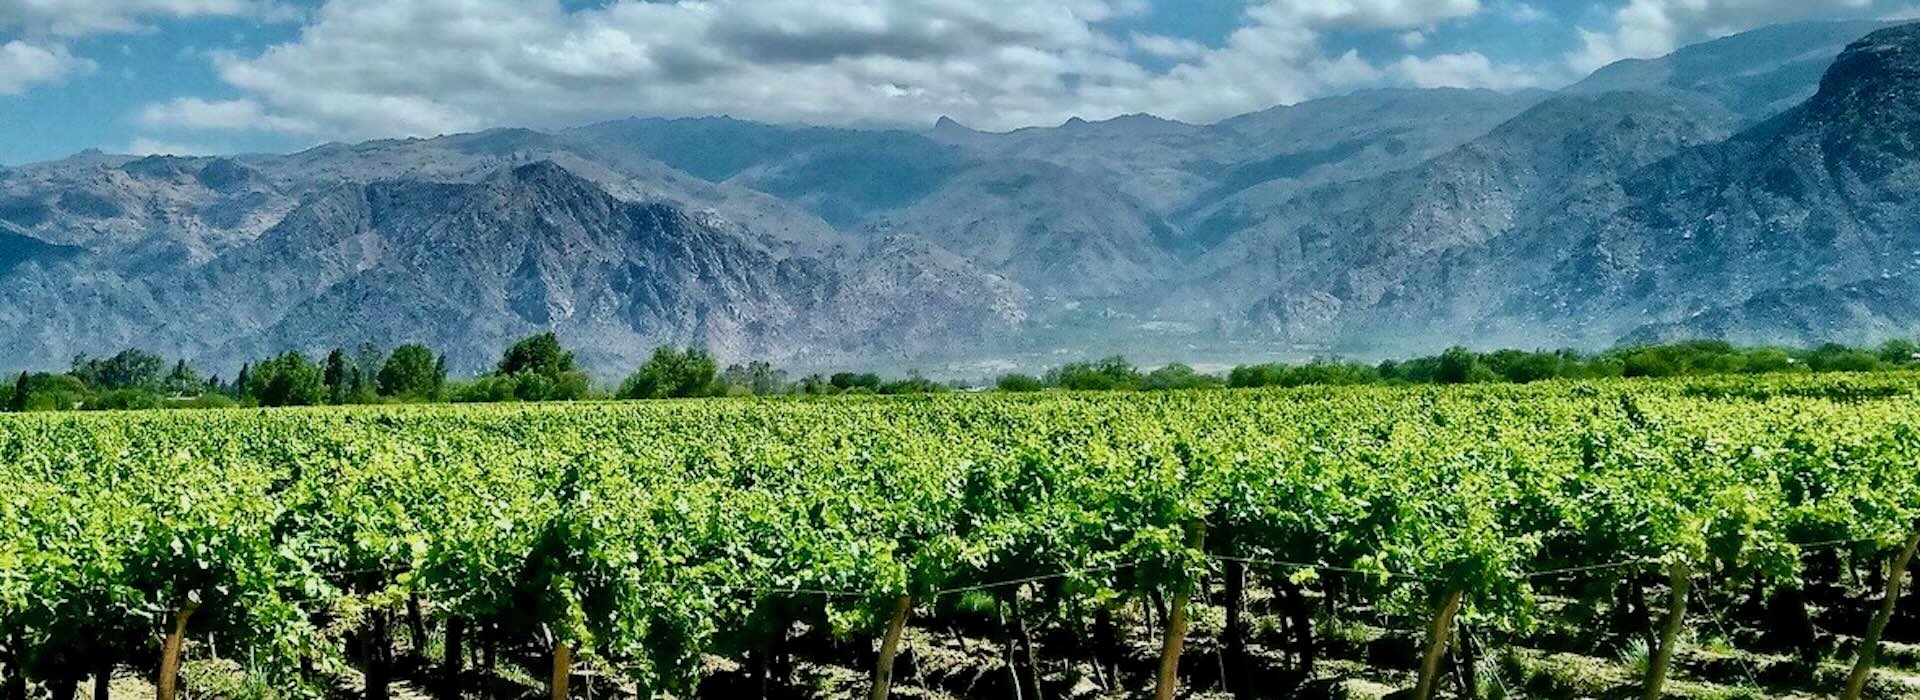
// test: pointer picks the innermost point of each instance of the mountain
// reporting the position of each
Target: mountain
(1823, 195)
(1356, 243)
(1725, 239)
(1105, 186)
(18, 249)
(1756, 187)
(471, 266)
(1754, 75)
(1056, 232)
(839, 174)
(1866, 311)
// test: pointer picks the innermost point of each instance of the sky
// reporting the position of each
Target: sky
(194, 77)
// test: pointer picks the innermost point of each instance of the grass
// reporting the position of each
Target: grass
(1635, 657)
(228, 680)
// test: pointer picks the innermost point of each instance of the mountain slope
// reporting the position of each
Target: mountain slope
(1864, 312)
(470, 266)
(18, 249)
(1747, 187)
(1755, 74)
(1818, 197)
(1342, 249)
(1057, 231)
(1825, 195)
(538, 247)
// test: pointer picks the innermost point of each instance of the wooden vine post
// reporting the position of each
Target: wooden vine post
(1176, 636)
(103, 678)
(562, 669)
(1870, 646)
(1438, 637)
(1680, 577)
(454, 657)
(889, 648)
(167, 686)
(1233, 668)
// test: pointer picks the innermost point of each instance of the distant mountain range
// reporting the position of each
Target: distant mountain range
(1757, 188)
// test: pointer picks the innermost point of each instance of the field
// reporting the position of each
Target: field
(1711, 538)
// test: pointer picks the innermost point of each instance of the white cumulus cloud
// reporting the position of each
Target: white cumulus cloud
(1649, 28)
(50, 24)
(1167, 46)
(1470, 69)
(1373, 14)
(24, 65)
(83, 17)
(232, 115)
(371, 68)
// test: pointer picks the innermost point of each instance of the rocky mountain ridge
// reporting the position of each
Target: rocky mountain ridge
(1755, 187)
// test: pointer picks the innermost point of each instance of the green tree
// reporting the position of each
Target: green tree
(1521, 367)
(413, 372)
(1834, 357)
(123, 400)
(240, 381)
(1899, 351)
(1766, 360)
(539, 354)
(367, 362)
(338, 377)
(290, 379)
(1458, 365)
(913, 384)
(849, 380)
(1251, 376)
(1019, 383)
(1110, 374)
(816, 385)
(672, 373)
(538, 368)
(183, 381)
(130, 369)
(17, 403)
(1649, 362)
(758, 378)
(47, 392)
(1178, 376)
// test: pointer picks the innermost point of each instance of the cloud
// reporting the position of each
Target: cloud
(1523, 13)
(1412, 40)
(144, 146)
(1276, 56)
(372, 68)
(1650, 28)
(24, 65)
(51, 23)
(231, 115)
(1167, 46)
(83, 17)
(1468, 70)
(1373, 14)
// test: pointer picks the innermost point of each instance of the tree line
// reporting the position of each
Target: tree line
(537, 368)
(540, 368)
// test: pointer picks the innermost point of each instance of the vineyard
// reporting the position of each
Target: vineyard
(1703, 538)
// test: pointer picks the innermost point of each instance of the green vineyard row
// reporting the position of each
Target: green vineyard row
(644, 536)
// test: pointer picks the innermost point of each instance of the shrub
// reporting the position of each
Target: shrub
(1020, 383)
